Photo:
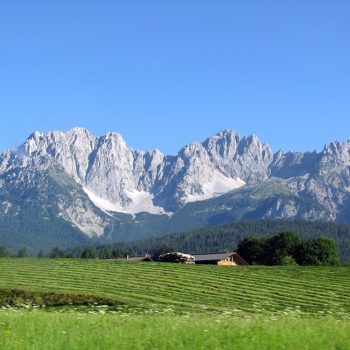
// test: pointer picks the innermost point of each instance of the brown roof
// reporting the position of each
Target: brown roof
(138, 258)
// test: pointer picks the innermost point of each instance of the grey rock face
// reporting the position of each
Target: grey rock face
(118, 178)
(245, 158)
(106, 167)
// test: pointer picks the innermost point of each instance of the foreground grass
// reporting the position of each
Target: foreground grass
(47, 330)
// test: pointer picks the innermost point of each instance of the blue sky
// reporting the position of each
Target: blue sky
(165, 73)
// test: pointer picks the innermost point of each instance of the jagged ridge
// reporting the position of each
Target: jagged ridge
(117, 178)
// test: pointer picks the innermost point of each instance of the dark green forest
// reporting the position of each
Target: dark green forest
(221, 238)
(226, 238)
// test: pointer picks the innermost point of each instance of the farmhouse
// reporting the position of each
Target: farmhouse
(138, 258)
(222, 259)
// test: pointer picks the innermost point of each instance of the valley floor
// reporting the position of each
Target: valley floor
(93, 304)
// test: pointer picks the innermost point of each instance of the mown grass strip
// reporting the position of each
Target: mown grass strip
(248, 288)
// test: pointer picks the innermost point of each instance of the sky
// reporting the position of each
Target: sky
(166, 73)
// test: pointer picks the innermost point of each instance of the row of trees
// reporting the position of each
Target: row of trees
(4, 253)
(227, 237)
(83, 253)
(287, 248)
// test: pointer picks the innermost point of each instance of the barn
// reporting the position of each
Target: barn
(138, 258)
(222, 259)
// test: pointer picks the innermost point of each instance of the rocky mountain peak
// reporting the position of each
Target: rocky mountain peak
(249, 144)
(115, 139)
(223, 144)
(79, 131)
(118, 178)
(337, 149)
(194, 149)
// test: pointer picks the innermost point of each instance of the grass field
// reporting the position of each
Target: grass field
(172, 306)
(243, 290)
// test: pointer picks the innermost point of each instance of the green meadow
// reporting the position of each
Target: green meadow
(50, 330)
(106, 304)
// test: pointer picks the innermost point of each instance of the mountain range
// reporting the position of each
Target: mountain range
(63, 189)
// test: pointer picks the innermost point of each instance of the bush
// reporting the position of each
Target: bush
(253, 250)
(88, 253)
(4, 253)
(288, 261)
(22, 253)
(321, 251)
(277, 248)
(287, 249)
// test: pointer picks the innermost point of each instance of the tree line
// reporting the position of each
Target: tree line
(210, 239)
(285, 248)
(55, 253)
(226, 238)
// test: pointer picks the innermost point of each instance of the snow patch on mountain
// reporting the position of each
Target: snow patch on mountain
(218, 185)
(140, 201)
(102, 203)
